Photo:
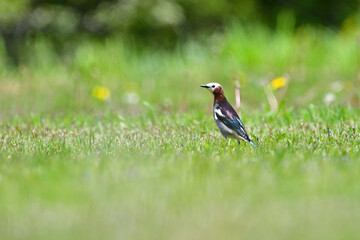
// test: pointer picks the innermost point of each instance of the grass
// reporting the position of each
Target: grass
(110, 177)
(149, 163)
(317, 62)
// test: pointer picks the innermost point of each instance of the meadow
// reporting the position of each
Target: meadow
(113, 140)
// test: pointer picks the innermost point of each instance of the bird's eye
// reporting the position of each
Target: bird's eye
(213, 86)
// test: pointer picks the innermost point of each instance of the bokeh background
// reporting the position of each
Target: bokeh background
(126, 56)
(105, 132)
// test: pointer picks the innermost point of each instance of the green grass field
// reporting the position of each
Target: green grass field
(149, 163)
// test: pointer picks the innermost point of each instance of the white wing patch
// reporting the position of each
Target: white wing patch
(218, 112)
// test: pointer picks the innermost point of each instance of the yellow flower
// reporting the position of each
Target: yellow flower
(101, 93)
(278, 82)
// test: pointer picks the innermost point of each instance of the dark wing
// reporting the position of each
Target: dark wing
(232, 122)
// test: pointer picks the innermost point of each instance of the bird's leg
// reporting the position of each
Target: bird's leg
(239, 142)
(226, 141)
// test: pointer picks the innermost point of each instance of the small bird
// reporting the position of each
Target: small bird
(226, 118)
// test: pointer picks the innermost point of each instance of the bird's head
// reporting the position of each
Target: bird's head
(212, 86)
(216, 89)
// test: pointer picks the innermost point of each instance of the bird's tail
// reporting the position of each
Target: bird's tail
(253, 143)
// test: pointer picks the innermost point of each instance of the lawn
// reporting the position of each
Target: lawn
(176, 178)
(144, 160)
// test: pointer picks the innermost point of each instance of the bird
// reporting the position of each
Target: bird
(226, 118)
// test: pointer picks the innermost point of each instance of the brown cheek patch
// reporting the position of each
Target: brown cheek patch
(217, 90)
(218, 94)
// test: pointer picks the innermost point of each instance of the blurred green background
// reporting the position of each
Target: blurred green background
(60, 56)
(105, 132)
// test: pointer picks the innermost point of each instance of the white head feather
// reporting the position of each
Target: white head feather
(212, 86)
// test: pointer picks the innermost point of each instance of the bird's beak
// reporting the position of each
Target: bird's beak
(204, 86)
